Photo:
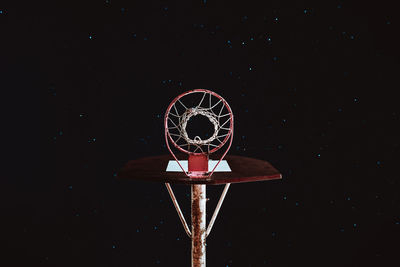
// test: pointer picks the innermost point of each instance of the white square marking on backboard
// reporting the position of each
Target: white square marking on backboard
(223, 166)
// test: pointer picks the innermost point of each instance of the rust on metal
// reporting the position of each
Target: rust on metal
(198, 226)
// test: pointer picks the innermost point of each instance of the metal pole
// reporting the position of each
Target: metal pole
(199, 225)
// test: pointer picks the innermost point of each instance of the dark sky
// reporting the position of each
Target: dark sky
(85, 84)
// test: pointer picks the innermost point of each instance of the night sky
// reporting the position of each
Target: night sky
(84, 87)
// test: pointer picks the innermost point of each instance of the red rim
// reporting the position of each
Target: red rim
(168, 136)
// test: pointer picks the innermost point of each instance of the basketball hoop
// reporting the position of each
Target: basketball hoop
(198, 147)
(198, 102)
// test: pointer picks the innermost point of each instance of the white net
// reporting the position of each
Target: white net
(199, 103)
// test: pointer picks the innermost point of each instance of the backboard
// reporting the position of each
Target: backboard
(243, 169)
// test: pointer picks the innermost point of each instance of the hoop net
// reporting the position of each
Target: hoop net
(199, 102)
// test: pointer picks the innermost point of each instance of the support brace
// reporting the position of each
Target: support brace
(182, 217)
(214, 216)
(185, 226)
(199, 229)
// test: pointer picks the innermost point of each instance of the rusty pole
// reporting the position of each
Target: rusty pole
(199, 225)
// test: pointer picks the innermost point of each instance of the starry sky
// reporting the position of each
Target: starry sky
(85, 85)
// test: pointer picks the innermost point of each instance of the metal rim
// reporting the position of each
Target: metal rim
(225, 104)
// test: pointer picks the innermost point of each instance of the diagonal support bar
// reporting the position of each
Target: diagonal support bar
(182, 218)
(180, 214)
(221, 199)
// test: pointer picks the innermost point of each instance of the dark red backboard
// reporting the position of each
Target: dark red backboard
(244, 169)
